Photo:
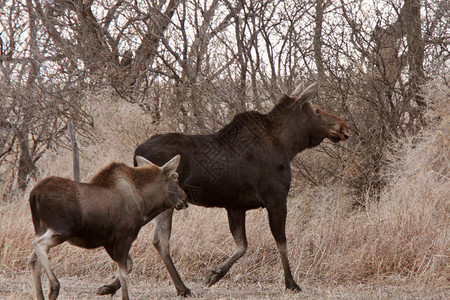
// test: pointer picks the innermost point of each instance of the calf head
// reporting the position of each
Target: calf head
(172, 192)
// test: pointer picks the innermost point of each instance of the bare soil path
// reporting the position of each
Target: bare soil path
(20, 287)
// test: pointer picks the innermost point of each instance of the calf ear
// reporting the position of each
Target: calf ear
(171, 165)
(141, 162)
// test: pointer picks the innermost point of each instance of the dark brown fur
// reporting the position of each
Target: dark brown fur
(245, 165)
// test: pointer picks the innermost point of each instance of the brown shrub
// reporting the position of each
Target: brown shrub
(401, 237)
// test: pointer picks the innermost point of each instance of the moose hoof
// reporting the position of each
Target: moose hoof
(54, 292)
(185, 293)
(213, 277)
(294, 287)
(106, 290)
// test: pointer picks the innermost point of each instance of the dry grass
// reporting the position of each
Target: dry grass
(396, 246)
(147, 288)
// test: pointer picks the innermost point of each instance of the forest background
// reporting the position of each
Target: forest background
(370, 215)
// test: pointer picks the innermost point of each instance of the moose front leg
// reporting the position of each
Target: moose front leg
(277, 222)
(161, 237)
(123, 269)
(119, 253)
(163, 227)
(111, 288)
(236, 220)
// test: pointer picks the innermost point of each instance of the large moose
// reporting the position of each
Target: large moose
(107, 212)
(245, 165)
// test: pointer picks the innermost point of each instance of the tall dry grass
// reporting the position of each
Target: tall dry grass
(403, 237)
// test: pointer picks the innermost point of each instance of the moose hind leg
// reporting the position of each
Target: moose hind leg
(36, 269)
(236, 220)
(161, 237)
(41, 247)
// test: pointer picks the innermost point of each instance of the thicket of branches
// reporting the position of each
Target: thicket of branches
(197, 63)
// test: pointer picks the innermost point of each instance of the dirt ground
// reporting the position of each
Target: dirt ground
(20, 287)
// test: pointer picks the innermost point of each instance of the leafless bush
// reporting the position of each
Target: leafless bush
(400, 238)
(195, 65)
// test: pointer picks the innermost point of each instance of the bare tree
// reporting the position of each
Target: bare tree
(416, 47)
(212, 59)
(318, 57)
(35, 107)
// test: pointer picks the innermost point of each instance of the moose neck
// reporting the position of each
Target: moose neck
(154, 202)
(293, 129)
(294, 137)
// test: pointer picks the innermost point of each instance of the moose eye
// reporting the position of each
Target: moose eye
(317, 111)
(172, 176)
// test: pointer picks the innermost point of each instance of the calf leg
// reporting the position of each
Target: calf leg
(36, 269)
(123, 277)
(111, 289)
(41, 247)
(277, 222)
(161, 236)
(119, 253)
(236, 220)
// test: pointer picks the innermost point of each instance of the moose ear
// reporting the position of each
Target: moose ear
(171, 165)
(302, 95)
(298, 91)
(141, 162)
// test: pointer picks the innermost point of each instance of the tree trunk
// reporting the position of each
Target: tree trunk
(75, 152)
(416, 48)
(26, 164)
(320, 7)
(147, 51)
